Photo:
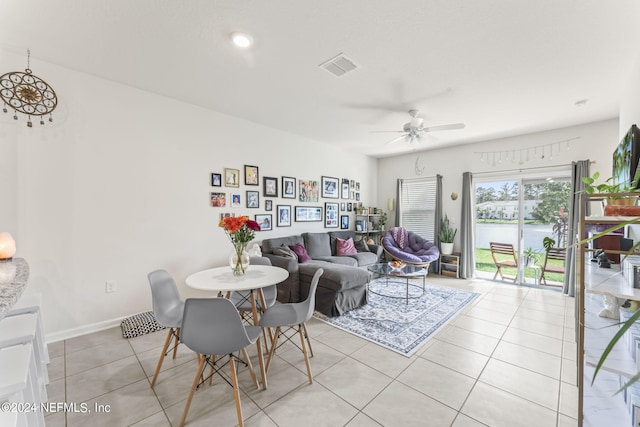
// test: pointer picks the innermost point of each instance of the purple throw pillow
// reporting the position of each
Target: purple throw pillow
(301, 251)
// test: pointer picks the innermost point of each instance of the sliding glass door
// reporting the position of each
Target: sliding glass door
(519, 214)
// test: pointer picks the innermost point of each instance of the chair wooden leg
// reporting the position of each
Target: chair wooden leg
(164, 351)
(196, 380)
(306, 334)
(236, 390)
(213, 362)
(306, 356)
(274, 342)
(250, 366)
(175, 349)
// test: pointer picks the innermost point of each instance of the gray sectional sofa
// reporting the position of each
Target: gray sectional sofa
(342, 287)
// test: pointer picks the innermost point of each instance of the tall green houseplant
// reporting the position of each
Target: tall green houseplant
(447, 234)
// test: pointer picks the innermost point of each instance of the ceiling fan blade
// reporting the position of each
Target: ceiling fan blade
(386, 131)
(400, 138)
(452, 126)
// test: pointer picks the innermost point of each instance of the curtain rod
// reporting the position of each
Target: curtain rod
(591, 162)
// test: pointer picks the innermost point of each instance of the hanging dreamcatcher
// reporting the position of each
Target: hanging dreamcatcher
(27, 94)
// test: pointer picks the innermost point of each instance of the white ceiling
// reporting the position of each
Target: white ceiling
(503, 67)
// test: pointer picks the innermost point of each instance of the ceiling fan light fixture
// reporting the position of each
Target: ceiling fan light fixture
(241, 40)
(416, 122)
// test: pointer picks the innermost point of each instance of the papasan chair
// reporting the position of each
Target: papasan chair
(409, 247)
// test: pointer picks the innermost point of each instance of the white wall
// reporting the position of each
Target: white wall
(630, 106)
(597, 143)
(119, 186)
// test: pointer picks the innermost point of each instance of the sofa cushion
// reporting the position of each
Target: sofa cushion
(301, 252)
(364, 258)
(342, 234)
(269, 244)
(342, 260)
(345, 247)
(285, 251)
(361, 246)
(317, 244)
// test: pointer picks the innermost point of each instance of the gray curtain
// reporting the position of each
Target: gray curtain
(435, 266)
(396, 223)
(467, 238)
(579, 170)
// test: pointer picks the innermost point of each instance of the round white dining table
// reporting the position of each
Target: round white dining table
(221, 279)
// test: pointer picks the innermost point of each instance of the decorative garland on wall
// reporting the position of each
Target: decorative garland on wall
(523, 155)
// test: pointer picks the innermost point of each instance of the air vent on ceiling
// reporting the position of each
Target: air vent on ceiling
(339, 65)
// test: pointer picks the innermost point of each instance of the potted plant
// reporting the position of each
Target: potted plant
(446, 236)
(530, 257)
(608, 187)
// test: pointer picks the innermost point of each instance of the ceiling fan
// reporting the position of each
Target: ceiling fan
(414, 130)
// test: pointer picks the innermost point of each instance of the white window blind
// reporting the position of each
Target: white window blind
(418, 207)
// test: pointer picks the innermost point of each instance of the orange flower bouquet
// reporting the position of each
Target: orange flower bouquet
(240, 230)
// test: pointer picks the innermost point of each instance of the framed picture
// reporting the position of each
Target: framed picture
(330, 187)
(345, 189)
(357, 196)
(251, 175)
(235, 201)
(343, 206)
(218, 200)
(270, 186)
(344, 222)
(308, 191)
(352, 184)
(349, 207)
(288, 187)
(268, 205)
(331, 215)
(264, 221)
(216, 180)
(308, 213)
(253, 199)
(357, 186)
(231, 177)
(284, 216)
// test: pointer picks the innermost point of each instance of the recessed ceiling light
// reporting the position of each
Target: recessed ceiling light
(241, 40)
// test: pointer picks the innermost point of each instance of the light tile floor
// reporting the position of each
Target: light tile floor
(506, 360)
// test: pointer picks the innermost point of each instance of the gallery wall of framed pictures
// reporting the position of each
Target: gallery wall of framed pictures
(342, 197)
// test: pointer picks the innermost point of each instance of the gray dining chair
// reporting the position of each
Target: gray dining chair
(167, 309)
(292, 317)
(242, 300)
(210, 327)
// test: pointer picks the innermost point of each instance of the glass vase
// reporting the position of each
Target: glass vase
(239, 260)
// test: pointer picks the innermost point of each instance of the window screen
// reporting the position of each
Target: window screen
(418, 207)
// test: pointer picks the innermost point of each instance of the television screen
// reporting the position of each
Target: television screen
(625, 158)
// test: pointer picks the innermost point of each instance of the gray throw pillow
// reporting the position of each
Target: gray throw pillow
(361, 246)
(285, 251)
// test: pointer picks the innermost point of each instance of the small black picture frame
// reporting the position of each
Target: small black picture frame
(253, 199)
(344, 222)
(251, 175)
(270, 186)
(265, 221)
(284, 215)
(288, 187)
(345, 188)
(330, 187)
(331, 215)
(268, 205)
(349, 207)
(216, 180)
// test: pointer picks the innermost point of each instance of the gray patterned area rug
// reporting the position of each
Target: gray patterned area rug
(396, 325)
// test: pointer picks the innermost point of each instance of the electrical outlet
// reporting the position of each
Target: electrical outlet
(110, 286)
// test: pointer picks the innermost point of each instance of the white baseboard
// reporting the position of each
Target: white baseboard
(83, 330)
